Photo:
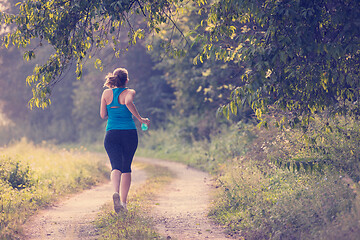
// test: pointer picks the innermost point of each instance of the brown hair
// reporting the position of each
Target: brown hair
(117, 78)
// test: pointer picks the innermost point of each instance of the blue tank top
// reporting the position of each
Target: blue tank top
(119, 116)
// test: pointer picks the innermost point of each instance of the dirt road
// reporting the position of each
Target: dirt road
(73, 218)
(179, 211)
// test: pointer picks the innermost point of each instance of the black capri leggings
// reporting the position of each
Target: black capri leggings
(120, 146)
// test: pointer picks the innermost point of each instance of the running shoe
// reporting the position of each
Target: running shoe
(116, 200)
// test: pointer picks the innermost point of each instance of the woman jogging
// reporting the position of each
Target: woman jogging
(121, 138)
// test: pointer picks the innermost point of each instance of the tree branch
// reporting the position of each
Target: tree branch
(181, 32)
(141, 7)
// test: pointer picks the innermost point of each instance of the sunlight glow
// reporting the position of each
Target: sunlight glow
(4, 121)
(4, 5)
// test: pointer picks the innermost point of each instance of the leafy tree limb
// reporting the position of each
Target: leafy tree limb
(299, 57)
(74, 29)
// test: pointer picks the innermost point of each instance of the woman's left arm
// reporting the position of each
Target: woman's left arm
(103, 110)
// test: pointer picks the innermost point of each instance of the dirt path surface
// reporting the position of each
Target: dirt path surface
(73, 218)
(180, 212)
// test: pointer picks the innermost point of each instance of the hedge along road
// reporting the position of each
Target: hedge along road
(179, 211)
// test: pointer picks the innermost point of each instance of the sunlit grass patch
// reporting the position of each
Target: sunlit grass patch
(34, 176)
(206, 155)
(126, 225)
(136, 223)
(277, 204)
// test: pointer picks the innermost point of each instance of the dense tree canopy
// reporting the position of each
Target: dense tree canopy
(298, 56)
(76, 29)
(289, 58)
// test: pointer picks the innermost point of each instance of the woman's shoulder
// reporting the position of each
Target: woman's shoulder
(107, 91)
(130, 90)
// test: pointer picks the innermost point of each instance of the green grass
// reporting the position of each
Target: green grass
(256, 198)
(206, 155)
(136, 223)
(33, 176)
(279, 204)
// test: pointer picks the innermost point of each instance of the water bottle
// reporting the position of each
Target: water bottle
(144, 127)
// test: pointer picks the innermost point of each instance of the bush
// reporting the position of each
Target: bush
(15, 174)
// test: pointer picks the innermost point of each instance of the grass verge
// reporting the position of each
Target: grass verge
(136, 223)
(314, 194)
(206, 155)
(32, 177)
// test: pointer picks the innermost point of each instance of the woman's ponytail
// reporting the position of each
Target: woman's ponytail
(116, 79)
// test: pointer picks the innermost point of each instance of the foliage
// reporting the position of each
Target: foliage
(55, 122)
(33, 176)
(334, 145)
(12, 78)
(15, 174)
(297, 57)
(75, 28)
(208, 83)
(288, 58)
(52, 123)
(74, 113)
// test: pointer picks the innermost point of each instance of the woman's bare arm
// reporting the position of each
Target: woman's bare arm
(129, 102)
(103, 110)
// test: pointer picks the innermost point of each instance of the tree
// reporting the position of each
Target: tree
(299, 57)
(294, 57)
(76, 29)
(199, 88)
(75, 104)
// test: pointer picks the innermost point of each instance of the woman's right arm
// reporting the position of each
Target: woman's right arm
(129, 102)
(103, 110)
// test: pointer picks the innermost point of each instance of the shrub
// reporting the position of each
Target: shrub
(15, 173)
(206, 154)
